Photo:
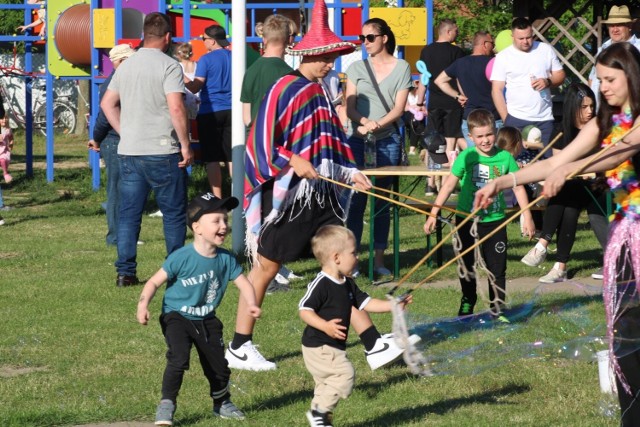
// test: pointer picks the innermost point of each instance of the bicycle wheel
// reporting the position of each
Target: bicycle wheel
(64, 119)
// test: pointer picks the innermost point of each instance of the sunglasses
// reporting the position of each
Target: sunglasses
(369, 37)
(206, 38)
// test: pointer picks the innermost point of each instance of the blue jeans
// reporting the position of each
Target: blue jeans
(138, 176)
(109, 153)
(388, 154)
(465, 131)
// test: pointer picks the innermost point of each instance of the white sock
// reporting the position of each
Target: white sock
(540, 247)
(557, 266)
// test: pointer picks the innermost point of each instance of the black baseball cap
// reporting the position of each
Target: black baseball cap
(436, 146)
(218, 33)
(206, 203)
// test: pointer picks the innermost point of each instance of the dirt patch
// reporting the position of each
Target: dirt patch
(56, 165)
(576, 286)
(13, 371)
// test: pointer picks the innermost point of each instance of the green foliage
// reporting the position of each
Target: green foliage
(10, 20)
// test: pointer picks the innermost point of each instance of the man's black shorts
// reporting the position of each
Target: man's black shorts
(446, 122)
(214, 131)
(289, 239)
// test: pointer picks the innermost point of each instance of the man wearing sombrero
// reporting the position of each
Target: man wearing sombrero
(619, 23)
(295, 137)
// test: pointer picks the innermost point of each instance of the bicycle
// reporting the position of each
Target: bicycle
(64, 114)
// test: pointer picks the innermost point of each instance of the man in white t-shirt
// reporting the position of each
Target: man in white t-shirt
(619, 25)
(528, 70)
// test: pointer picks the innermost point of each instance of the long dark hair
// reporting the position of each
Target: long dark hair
(572, 108)
(384, 29)
(620, 56)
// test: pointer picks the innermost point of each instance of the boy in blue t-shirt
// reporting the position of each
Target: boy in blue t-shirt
(473, 168)
(326, 309)
(197, 276)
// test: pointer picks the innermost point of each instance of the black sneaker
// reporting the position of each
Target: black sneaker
(124, 281)
(466, 306)
(274, 287)
(320, 419)
(430, 191)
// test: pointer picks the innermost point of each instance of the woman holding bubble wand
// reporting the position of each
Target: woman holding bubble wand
(615, 130)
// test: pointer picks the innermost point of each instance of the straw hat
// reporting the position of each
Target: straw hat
(618, 15)
(121, 51)
(320, 39)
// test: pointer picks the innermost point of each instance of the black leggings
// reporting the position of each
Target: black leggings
(562, 214)
(180, 334)
(494, 254)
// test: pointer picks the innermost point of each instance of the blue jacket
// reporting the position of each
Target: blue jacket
(102, 129)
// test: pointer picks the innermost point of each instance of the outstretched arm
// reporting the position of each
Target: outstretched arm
(584, 143)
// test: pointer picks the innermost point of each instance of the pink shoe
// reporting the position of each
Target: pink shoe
(7, 178)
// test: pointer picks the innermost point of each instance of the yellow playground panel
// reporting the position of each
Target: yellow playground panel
(104, 28)
(409, 24)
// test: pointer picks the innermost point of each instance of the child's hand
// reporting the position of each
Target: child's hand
(335, 330)
(430, 225)
(143, 315)
(255, 311)
(528, 228)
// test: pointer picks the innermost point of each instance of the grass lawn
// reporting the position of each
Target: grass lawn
(71, 351)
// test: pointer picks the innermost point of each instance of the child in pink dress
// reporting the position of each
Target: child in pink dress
(6, 145)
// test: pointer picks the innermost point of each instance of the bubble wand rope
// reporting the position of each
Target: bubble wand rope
(545, 149)
(415, 199)
(433, 251)
(509, 220)
(388, 199)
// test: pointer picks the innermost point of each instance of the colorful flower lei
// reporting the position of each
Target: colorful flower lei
(623, 180)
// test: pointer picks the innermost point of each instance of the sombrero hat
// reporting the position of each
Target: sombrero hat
(320, 39)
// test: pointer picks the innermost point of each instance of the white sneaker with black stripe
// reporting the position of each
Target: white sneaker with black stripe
(248, 358)
(386, 350)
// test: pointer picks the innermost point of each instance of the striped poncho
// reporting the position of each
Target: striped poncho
(295, 117)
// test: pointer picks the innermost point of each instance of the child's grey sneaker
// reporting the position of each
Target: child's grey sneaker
(554, 276)
(534, 257)
(228, 410)
(164, 413)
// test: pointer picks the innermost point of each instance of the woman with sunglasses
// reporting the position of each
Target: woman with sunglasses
(369, 113)
(563, 210)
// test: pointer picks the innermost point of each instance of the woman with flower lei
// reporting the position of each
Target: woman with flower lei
(618, 70)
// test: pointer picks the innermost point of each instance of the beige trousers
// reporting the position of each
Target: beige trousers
(333, 374)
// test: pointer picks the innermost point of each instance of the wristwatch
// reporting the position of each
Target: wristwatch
(548, 80)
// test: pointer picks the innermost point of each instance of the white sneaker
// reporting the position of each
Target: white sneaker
(554, 276)
(598, 275)
(248, 357)
(534, 257)
(281, 279)
(156, 214)
(386, 351)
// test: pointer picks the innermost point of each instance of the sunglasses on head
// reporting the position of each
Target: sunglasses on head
(369, 37)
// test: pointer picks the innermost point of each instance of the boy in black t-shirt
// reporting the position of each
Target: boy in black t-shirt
(326, 309)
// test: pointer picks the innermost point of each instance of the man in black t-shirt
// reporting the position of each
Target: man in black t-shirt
(444, 113)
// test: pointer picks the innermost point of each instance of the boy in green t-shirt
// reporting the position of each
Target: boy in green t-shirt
(474, 167)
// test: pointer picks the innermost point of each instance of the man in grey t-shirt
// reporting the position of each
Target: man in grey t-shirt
(145, 105)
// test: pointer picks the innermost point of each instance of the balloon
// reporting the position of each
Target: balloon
(425, 75)
(503, 40)
(489, 68)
